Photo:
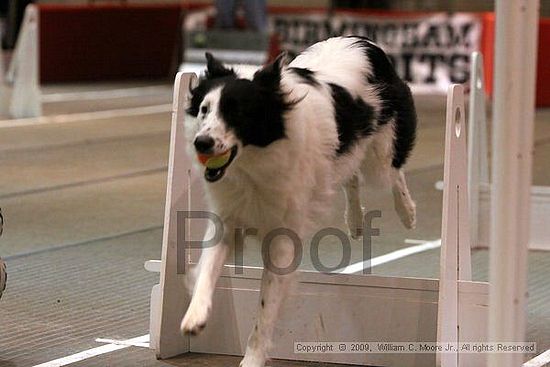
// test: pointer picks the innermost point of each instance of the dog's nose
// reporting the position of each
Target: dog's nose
(204, 144)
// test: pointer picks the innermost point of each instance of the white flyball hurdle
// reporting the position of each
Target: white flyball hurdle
(478, 173)
(20, 86)
(4, 90)
(478, 156)
(324, 307)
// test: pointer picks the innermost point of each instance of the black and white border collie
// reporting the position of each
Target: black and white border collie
(337, 115)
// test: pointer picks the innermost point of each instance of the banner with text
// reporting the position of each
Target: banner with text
(428, 51)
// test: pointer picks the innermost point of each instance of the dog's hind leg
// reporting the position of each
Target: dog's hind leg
(276, 281)
(354, 212)
(404, 204)
(208, 271)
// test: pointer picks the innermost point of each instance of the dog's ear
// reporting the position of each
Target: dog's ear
(215, 69)
(270, 75)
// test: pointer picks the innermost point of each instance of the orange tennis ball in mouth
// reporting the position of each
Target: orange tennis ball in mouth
(214, 161)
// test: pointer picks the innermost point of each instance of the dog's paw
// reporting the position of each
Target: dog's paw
(411, 223)
(355, 233)
(404, 206)
(355, 224)
(195, 318)
(253, 358)
(407, 214)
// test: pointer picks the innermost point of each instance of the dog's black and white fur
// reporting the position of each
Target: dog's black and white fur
(338, 113)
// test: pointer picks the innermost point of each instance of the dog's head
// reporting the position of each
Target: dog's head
(232, 112)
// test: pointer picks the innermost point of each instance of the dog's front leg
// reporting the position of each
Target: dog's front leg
(404, 204)
(276, 280)
(354, 211)
(208, 271)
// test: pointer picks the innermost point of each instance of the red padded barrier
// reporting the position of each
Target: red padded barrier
(487, 48)
(543, 70)
(107, 42)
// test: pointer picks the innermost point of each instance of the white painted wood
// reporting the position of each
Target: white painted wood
(153, 266)
(17, 50)
(472, 319)
(514, 104)
(327, 311)
(447, 327)
(154, 311)
(340, 307)
(174, 299)
(335, 307)
(5, 93)
(2, 68)
(455, 178)
(25, 98)
(455, 243)
(478, 165)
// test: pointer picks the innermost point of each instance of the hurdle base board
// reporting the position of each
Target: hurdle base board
(339, 307)
(540, 212)
(473, 308)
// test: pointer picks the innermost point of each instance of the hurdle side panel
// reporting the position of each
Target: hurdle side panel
(174, 298)
(455, 242)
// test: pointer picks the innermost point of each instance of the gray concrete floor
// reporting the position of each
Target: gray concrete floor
(84, 202)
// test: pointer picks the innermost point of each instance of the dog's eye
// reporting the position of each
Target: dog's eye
(204, 110)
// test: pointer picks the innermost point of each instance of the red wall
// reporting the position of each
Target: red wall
(105, 42)
(543, 70)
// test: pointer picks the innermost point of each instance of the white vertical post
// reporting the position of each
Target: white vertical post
(514, 100)
(172, 294)
(4, 90)
(2, 68)
(455, 242)
(478, 166)
(25, 101)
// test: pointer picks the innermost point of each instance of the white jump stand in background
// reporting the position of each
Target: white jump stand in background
(20, 88)
(325, 307)
(478, 174)
(478, 156)
(4, 89)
